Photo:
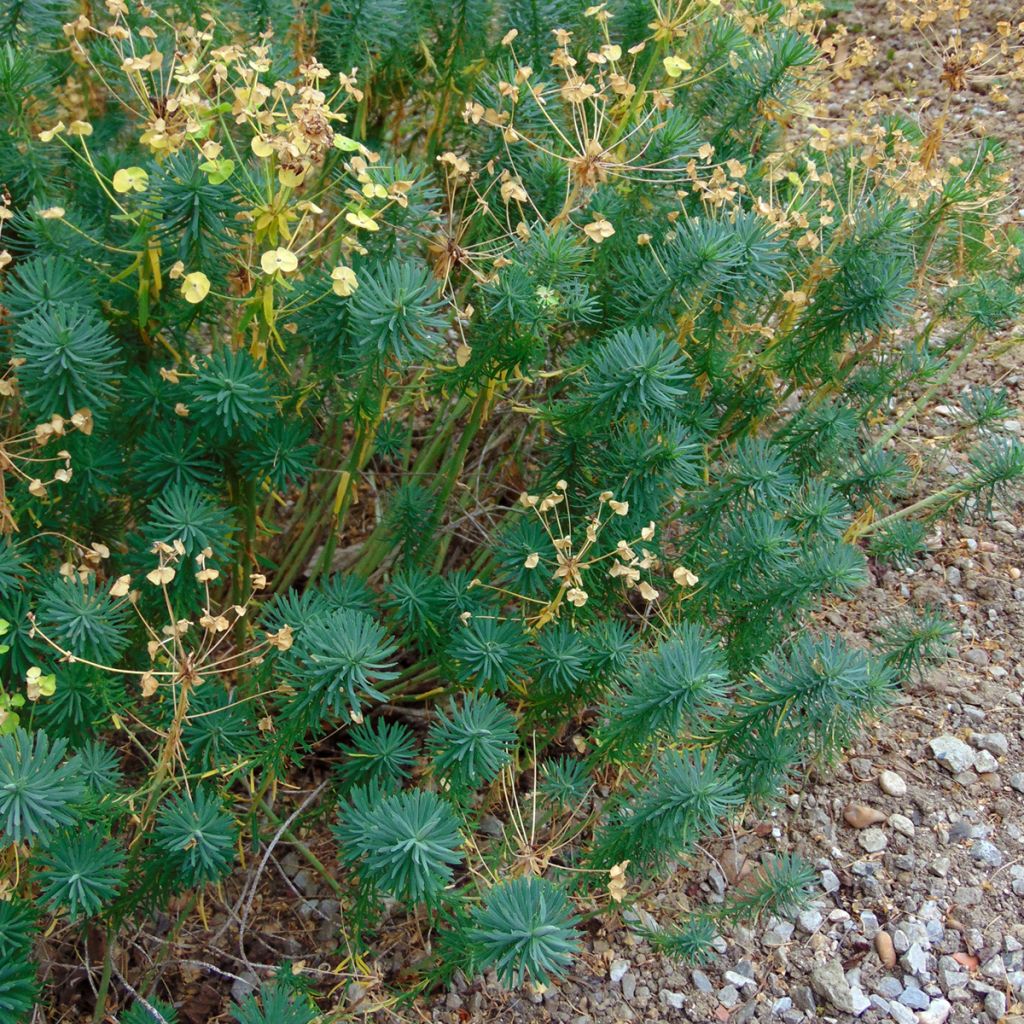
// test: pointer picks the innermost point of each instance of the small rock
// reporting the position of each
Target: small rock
(914, 998)
(628, 986)
(780, 1006)
(245, 984)
(902, 1014)
(889, 987)
(902, 824)
(873, 840)
(995, 1004)
(829, 881)
(937, 1013)
(701, 981)
(728, 997)
(829, 982)
(675, 1000)
(892, 784)
(915, 960)
(1017, 781)
(976, 656)
(885, 949)
(809, 920)
(985, 762)
(953, 754)
(994, 969)
(940, 867)
(862, 816)
(994, 742)
(617, 971)
(986, 853)
(869, 923)
(803, 998)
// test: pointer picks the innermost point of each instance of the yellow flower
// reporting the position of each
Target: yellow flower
(344, 281)
(131, 179)
(675, 66)
(260, 146)
(361, 220)
(283, 260)
(195, 286)
(52, 213)
(598, 230)
(80, 128)
(49, 133)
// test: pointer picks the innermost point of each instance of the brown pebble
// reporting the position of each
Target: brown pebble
(885, 949)
(862, 816)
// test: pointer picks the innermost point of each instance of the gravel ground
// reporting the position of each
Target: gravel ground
(918, 835)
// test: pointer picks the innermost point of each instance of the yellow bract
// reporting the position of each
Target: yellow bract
(598, 230)
(131, 179)
(675, 66)
(195, 286)
(361, 220)
(344, 281)
(279, 260)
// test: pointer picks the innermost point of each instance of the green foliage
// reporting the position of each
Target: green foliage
(38, 788)
(525, 927)
(198, 833)
(474, 442)
(404, 845)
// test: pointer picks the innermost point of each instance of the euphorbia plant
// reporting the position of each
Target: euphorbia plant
(475, 436)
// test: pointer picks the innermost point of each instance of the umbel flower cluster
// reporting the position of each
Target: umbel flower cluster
(430, 434)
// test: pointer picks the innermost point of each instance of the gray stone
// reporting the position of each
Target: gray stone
(729, 996)
(617, 971)
(305, 882)
(995, 1004)
(829, 881)
(245, 984)
(914, 998)
(701, 982)
(803, 998)
(809, 920)
(628, 985)
(937, 1013)
(915, 960)
(985, 762)
(986, 853)
(780, 1006)
(829, 982)
(994, 969)
(953, 754)
(873, 840)
(889, 987)
(902, 824)
(869, 923)
(902, 1014)
(675, 1000)
(994, 742)
(976, 656)
(1016, 781)
(892, 784)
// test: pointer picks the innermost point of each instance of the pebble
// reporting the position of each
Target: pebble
(829, 982)
(953, 754)
(809, 920)
(937, 1013)
(986, 853)
(829, 881)
(873, 840)
(902, 824)
(885, 949)
(995, 1004)
(915, 960)
(628, 986)
(1016, 781)
(728, 997)
(976, 656)
(902, 1014)
(985, 762)
(675, 1000)
(701, 981)
(994, 742)
(914, 998)
(862, 816)
(617, 971)
(892, 784)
